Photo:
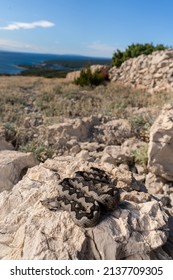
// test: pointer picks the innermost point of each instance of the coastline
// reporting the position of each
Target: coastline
(11, 63)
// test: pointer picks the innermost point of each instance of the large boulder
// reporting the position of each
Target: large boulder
(160, 152)
(13, 165)
(134, 230)
(71, 76)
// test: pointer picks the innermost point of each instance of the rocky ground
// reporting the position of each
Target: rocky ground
(52, 128)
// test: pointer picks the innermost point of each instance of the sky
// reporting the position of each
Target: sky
(85, 27)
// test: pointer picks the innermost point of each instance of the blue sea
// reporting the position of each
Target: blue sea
(10, 61)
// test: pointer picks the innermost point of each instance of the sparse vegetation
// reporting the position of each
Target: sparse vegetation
(141, 156)
(141, 125)
(134, 50)
(41, 152)
(25, 103)
(87, 78)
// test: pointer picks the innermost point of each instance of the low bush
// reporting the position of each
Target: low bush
(40, 151)
(87, 78)
(141, 155)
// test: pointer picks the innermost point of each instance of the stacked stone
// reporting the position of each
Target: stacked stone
(153, 72)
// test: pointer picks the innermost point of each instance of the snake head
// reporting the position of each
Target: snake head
(51, 203)
(111, 203)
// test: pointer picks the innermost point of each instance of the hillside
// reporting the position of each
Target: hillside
(26, 102)
(118, 137)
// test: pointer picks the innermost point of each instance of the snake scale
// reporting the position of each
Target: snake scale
(84, 196)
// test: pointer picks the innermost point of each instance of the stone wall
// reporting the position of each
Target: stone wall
(153, 72)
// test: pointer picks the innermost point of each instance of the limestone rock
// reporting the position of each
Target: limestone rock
(4, 145)
(118, 244)
(154, 184)
(123, 153)
(114, 132)
(150, 72)
(160, 152)
(138, 229)
(13, 165)
(98, 67)
(133, 230)
(72, 76)
(70, 130)
(116, 155)
(90, 133)
(104, 69)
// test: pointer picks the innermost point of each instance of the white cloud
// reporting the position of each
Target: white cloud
(28, 25)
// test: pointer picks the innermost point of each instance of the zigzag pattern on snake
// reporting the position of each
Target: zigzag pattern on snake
(84, 196)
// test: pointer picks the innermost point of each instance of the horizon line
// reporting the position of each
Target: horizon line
(58, 54)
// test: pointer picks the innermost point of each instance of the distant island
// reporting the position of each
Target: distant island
(60, 68)
(46, 65)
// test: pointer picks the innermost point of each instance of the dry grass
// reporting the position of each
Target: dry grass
(57, 97)
(53, 99)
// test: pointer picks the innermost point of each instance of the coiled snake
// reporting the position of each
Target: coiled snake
(84, 196)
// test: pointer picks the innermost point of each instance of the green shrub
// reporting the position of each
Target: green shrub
(134, 50)
(140, 126)
(141, 155)
(40, 151)
(141, 122)
(87, 78)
